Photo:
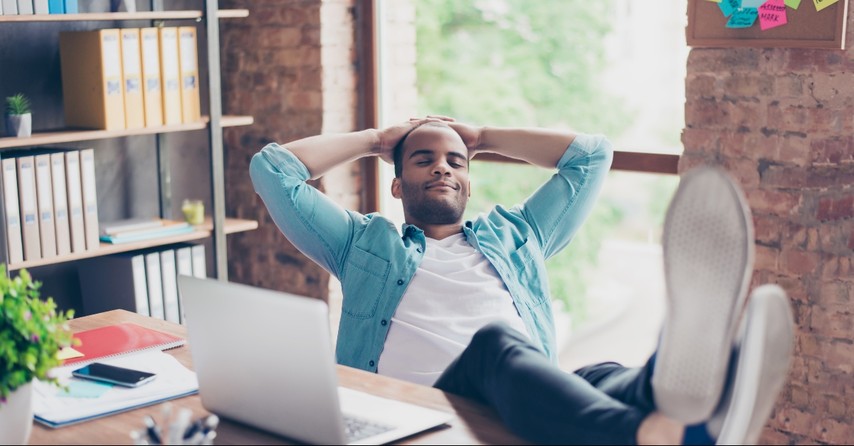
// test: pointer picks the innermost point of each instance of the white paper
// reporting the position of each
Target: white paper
(172, 379)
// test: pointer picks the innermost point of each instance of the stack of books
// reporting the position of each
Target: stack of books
(139, 229)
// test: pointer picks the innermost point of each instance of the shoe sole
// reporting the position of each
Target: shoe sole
(763, 360)
(708, 262)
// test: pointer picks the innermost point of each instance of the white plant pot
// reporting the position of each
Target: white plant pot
(19, 125)
(16, 416)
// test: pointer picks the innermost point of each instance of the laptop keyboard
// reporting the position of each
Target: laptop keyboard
(356, 428)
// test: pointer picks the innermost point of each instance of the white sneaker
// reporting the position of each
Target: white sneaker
(762, 361)
(708, 262)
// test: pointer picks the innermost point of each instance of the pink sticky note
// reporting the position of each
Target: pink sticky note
(772, 14)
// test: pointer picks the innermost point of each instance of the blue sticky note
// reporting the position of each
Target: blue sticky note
(752, 3)
(84, 389)
(729, 6)
(743, 18)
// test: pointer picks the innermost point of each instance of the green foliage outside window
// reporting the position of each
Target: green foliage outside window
(523, 63)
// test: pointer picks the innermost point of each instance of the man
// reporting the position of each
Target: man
(414, 301)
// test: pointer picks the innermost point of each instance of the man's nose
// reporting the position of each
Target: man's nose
(441, 168)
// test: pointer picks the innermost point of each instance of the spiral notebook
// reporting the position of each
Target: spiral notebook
(120, 339)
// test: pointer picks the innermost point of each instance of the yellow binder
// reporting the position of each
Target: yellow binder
(190, 105)
(91, 63)
(151, 85)
(170, 75)
(132, 75)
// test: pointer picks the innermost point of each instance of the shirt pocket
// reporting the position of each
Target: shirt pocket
(364, 281)
(531, 276)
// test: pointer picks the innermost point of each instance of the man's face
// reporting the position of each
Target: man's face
(434, 183)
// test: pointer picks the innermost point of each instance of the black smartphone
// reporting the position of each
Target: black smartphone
(114, 375)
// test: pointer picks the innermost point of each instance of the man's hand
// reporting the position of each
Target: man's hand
(390, 136)
(468, 133)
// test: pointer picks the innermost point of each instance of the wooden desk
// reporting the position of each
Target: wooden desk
(473, 423)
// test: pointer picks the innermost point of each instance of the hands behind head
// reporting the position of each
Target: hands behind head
(390, 136)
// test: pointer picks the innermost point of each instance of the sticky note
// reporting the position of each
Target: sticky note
(772, 14)
(68, 353)
(751, 3)
(743, 18)
(84, 389)
(793, 3)
(821, 4)
(729, 6)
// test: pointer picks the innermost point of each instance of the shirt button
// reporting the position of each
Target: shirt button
(383, 322)
(400, 281)
(371, 363)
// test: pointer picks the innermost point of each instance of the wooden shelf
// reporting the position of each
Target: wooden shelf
(232, 225)
(142, 15)
(63, 136)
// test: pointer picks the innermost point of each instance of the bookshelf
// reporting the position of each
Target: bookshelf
(207, 14)
(111, 16)
(232, 225)
(72, 135)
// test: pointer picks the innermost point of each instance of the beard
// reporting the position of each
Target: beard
(429, 209)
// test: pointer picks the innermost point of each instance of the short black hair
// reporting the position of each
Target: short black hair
(397, 151)
(397, 154)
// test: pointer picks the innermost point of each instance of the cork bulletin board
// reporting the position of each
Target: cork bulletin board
(806, 28)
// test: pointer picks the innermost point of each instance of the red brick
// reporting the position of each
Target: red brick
(799, 262)
(833, 323)
(835, 209)
(774, 202)
(833, 150)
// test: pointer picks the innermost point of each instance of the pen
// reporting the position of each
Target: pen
(211, 422)
(152, 430)
(178, 427)
(137, 438)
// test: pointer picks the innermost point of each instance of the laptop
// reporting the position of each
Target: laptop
(264, 358)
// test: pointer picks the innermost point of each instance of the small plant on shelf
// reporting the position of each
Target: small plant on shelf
(19, 120)
(18, 104)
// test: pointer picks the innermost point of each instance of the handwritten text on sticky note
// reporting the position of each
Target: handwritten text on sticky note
(743, 18)
(729, 6)
(772, 14)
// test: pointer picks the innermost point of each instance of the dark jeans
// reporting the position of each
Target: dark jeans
(602, 403)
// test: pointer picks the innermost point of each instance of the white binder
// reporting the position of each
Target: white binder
(44, 193)
(14, 244)
(60, 203)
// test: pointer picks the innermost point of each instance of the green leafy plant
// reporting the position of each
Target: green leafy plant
(17, 104)
(32, 332)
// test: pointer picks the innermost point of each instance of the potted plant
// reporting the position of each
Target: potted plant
(19, 119)
(32, 332)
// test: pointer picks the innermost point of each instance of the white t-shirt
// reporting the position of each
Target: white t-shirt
(454, 292)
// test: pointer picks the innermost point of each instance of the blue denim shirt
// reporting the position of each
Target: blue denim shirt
(375, 263)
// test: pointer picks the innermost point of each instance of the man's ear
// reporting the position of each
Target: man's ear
(395, 188)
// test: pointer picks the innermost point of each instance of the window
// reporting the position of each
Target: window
(611, 67)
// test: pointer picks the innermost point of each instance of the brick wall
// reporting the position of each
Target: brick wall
(290, 65)
(781, 121)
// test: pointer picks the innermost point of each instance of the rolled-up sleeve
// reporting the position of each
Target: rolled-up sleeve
(317, 226)
(558, 208)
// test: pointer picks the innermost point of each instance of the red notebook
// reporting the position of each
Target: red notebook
(120, 339)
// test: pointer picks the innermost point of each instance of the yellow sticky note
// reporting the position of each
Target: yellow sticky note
(821, 4)
(716, 1)
(68, 353)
